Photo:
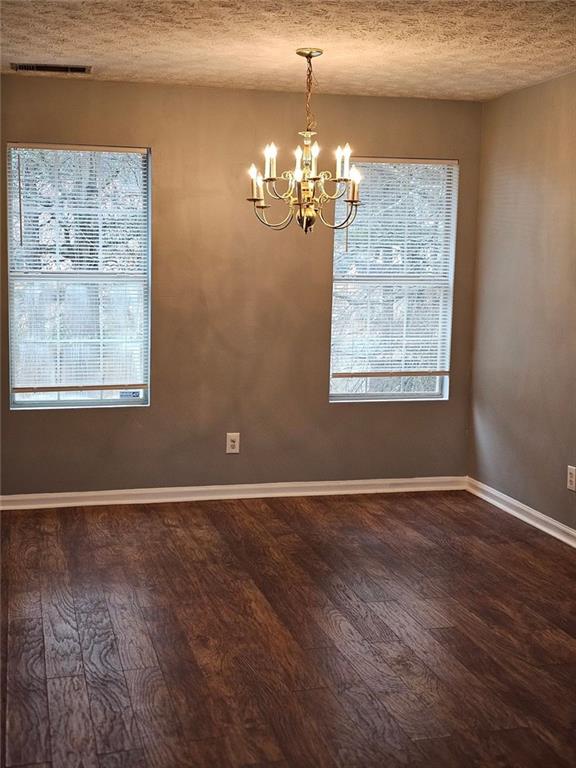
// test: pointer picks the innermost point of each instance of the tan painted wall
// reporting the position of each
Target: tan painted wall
(241, 315)
(524, 404)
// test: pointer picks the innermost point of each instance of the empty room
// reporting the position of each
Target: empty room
(288, 384)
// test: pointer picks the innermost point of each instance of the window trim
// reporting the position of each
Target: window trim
(444, 377)
(147, 282)
(76, 147)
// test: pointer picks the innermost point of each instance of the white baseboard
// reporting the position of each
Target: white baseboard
(315, 488)
(523, 512)
(216, 492)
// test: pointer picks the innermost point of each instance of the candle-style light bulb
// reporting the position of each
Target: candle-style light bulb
(273, 153)
(346, 168)
(253, 174)
(260, 186)
(339, 162)
(298, 175)
(267, 161)
(315, 151)
(355, 179)
(298, 156)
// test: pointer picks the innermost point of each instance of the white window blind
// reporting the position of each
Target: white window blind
(393, 284)
(79, 276)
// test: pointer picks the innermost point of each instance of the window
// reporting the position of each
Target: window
(393, 284)
(79, 276)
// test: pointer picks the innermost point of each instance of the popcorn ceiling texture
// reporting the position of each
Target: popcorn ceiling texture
(454, 49)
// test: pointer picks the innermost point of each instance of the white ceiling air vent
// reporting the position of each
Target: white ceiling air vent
(70, 69)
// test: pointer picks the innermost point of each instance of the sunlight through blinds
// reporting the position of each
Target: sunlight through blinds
(79, 276)
(393, 284)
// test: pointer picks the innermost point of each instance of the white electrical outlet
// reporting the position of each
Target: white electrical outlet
(232, 442)
(571, 478)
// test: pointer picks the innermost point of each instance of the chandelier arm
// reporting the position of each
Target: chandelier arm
(273, 192)
(349, 221)
(338, 194)
(350, 216)
(280, 225)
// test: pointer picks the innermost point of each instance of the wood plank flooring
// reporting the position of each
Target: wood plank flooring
(402, 631)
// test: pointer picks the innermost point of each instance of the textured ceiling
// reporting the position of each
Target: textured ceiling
(462, 49)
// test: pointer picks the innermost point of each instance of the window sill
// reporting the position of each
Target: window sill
(76, 406)
(391, 400)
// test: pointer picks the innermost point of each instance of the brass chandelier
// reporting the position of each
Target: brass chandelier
(305, 191)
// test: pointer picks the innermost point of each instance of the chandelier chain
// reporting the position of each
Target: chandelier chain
(310, 82)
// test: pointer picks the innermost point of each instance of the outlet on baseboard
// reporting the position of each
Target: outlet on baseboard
(571, 478)
(232, 442)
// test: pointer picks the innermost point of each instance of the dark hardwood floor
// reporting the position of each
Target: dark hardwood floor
(419, 630)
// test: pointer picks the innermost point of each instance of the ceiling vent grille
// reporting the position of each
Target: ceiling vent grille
(70, 69)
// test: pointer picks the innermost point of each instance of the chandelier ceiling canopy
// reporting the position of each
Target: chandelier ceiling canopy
(306, 189)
